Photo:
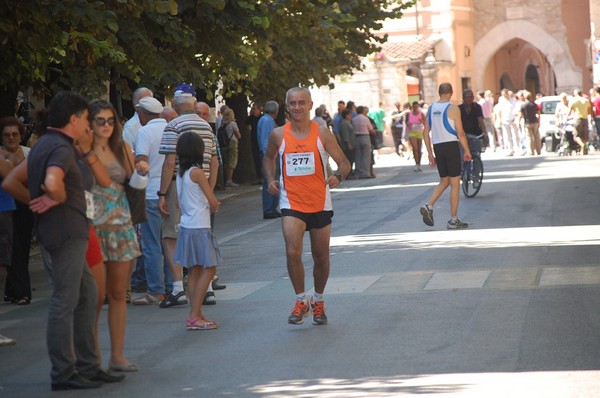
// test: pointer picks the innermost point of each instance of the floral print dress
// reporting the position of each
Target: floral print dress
(112, 219)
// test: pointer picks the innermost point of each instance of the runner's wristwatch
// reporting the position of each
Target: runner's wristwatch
(339, 177)
(159, 194)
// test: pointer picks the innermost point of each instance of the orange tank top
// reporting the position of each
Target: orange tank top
(303, 172)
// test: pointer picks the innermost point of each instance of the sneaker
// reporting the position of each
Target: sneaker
(210, 299)
(7, 340)
(174, 300)
(427, 214)
(457, 224)
(231, 184)
(318, 311)
(301, 310)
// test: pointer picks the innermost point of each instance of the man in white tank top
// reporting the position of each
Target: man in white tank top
(445, 125)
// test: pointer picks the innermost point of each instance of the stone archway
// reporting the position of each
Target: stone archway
(556, 52)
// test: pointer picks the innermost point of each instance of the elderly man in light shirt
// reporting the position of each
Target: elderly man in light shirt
(133, 125)
(146, 147)
(362, 149)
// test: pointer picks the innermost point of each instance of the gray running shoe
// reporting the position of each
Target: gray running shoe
(457, 224)
(427, 214)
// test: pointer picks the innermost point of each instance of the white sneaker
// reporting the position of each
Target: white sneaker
(7, 341)
(457, 224)
(427, 214)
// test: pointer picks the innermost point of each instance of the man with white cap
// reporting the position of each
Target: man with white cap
(184, 101)
(132, 126)
(146, 149)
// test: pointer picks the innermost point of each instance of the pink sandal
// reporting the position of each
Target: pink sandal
(201, 324)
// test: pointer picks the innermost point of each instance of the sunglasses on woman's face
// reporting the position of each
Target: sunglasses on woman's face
(100, 121)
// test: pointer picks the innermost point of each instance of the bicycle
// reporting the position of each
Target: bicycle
(472, 171)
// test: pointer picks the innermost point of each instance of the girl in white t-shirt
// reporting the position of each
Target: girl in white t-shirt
(196, 247)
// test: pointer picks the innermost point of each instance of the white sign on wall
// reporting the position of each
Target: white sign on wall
(596, 73)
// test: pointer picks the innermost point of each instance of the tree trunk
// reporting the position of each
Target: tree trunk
(244, 172)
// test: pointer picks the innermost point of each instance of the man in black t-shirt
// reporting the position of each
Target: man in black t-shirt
(252, 123)
(471, 115)
(531, 113)
(59, 202)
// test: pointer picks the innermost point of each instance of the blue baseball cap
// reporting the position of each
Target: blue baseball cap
(184, 90)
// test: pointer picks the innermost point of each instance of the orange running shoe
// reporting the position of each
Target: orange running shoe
(300, 311)
(318, 310)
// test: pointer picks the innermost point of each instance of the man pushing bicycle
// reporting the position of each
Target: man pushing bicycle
(445, 124)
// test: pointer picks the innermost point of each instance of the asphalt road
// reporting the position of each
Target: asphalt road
(508, 308)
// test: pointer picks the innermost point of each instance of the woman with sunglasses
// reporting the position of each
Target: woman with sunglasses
(18, 285)
(112, 221)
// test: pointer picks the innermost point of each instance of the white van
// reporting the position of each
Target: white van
(549, 131)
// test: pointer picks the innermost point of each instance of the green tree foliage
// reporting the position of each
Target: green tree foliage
(254, 48)
(258, 48)
(83, 44)
(312, 41)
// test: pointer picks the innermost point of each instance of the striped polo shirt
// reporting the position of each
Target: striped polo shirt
(184, 123)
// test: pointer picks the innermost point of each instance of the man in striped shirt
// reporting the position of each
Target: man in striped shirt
(184, 101)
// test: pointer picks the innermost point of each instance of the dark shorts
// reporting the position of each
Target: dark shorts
(448, 159)
(582, 129)
(312, 220)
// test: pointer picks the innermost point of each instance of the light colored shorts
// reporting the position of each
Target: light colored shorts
(231, 155)
(415, 134)
(170, 224)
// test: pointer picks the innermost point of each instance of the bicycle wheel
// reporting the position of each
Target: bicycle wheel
(472, 177)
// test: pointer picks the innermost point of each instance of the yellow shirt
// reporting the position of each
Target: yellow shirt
(581, 107)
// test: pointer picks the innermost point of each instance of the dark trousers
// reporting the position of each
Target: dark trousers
(269, 202)
(18, 284)
(71, 312)
(256, 157)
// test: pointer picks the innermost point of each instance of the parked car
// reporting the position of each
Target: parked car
(550, 133)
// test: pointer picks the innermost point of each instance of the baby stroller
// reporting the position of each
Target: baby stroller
(567, 143)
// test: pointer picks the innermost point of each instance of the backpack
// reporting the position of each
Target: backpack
(222, 136)
(399, 123)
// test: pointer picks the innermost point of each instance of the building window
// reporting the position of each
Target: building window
(466, 83)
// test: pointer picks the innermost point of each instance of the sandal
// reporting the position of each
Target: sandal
(210, 299)
(173, 300)
(127, 367)
(147, 299)
(201, 324)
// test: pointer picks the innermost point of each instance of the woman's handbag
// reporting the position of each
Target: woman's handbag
(135, 196)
